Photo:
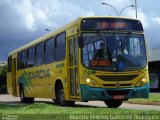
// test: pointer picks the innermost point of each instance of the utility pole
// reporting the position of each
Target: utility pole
(136, 7)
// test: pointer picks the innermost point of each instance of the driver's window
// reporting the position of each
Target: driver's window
(134, 46)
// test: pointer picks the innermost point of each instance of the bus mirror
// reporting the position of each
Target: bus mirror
(80, 42)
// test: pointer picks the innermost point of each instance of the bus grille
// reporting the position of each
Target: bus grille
(117, 77)
(118, 92)
(113, 85)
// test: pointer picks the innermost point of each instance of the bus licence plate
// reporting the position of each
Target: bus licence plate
(118, 97)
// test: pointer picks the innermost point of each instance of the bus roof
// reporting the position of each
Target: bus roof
(61, 29)
(44, 37)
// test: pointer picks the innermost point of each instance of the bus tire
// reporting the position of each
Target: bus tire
(22, 96)
(55, 101)
(113, 103)
(60, 97)
(71, 103)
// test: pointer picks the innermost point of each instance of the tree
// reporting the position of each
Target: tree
(3, 78)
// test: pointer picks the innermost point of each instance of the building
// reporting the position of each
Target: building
(154, 70)
(2, 64)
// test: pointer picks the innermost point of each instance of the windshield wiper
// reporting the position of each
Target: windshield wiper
(105, 42)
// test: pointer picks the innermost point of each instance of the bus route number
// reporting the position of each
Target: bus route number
(89, 72)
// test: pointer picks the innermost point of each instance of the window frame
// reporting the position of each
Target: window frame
(35, 63)
(53, 59)
(32, 47)
(25, 50)
(57, 48)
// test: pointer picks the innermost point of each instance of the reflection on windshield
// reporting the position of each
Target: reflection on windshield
(107, 51)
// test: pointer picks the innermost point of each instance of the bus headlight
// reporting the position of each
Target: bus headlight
(142, 82)
(88, 80)
(91, 82)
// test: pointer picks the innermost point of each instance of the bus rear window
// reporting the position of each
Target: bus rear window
(91, 24)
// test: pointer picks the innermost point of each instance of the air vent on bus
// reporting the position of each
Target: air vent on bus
(114, 85)
(117, 77)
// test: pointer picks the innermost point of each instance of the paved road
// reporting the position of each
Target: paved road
(9, 99)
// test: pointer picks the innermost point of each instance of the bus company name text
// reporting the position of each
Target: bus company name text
(39, 74)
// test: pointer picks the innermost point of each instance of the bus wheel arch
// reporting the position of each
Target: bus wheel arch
(57, 83)
(22, 95)
(59, 95)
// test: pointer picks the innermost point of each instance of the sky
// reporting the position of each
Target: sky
(22, 21)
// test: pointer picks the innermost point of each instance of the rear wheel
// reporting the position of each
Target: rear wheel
(113, 103)
(22, 96)
(60, 97)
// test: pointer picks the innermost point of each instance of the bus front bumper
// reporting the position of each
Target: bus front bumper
(91, 94)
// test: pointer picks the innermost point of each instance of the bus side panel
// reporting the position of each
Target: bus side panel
(24, 80)
(38, 82)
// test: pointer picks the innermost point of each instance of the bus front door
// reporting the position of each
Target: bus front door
(73, 68)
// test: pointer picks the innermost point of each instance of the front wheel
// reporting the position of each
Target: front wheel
(113, 103)
(60, 98)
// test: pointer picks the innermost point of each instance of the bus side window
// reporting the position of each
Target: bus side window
(60, 47)
(49, 51)
(30, 57)
(9, 64)
(39, 57)
(23, 59)
(19, 61)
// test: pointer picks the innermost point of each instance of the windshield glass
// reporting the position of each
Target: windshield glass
(113, 52)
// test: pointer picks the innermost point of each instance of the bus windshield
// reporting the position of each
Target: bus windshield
(113, 51)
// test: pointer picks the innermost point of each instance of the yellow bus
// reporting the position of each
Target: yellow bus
(89, 59)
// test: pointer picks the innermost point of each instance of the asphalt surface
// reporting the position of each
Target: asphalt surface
(9, 99)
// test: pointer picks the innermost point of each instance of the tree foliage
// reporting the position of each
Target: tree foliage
(3, 70)
(3, 78)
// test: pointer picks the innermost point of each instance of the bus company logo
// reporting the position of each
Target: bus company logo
(117, 85)
(39, 74)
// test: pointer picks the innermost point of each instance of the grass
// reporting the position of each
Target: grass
(49, 111)
(3, 70)
(154, 99)
(41, 111)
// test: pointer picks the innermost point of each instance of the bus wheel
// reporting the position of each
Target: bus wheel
(113, 103)
(55, 101)
(23, 98)
(60, 95)
(71, 103)
(60, 98)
